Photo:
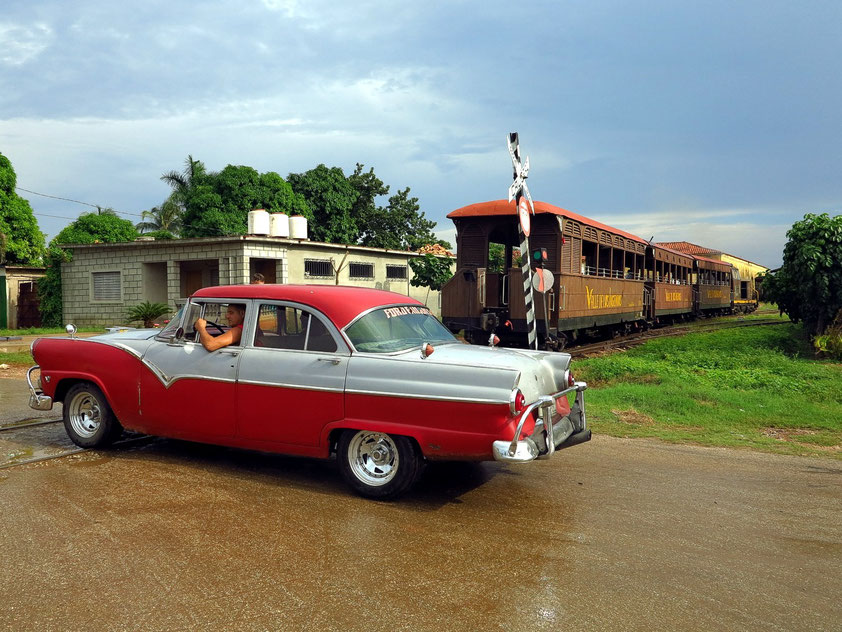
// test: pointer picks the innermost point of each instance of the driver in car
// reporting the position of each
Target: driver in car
(235, 314)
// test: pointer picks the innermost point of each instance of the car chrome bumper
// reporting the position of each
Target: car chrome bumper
(37, 399)
(568, 431)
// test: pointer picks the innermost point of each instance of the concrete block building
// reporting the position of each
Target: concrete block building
(103, 280)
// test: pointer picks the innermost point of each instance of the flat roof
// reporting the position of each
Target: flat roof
(281, 241)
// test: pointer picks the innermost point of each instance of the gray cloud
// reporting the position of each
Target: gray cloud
(625, 110)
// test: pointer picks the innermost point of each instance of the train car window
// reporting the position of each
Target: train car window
(618, 266)
(604, 261)
(588, 261)
(497, 258)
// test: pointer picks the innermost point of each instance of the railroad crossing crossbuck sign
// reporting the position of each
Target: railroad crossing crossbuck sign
(519, 192)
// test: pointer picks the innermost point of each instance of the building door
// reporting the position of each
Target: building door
(28, 313)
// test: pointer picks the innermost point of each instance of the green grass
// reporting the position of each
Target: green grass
(40, 331)
(17, 358)
(750, 387)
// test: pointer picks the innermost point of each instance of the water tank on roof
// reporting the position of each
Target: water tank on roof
(258, 222)
(279, 225)
(298, 227)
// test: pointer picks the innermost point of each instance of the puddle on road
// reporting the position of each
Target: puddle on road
(33, 442)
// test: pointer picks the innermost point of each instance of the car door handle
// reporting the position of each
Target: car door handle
(331, 360)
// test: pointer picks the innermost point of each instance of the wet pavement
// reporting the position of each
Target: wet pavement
(14, 401)
(611, 535)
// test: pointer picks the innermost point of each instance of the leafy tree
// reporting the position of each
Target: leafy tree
(160, 235)
(89, 228)
(22, 241)
(330, 198)
(808, 287)
(167, 218)
(368, 187)
(219, 203)
(147, 312)
(431, 272)
(339, 209)
(94, 228)
(400, 226)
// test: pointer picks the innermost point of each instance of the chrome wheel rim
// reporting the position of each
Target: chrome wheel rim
(85, 415)
(373, 457)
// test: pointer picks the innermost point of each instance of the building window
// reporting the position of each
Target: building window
(357, 270)
(395, 272)
(106, 286)
(318, 268)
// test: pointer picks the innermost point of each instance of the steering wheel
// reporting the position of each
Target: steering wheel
(213, 324)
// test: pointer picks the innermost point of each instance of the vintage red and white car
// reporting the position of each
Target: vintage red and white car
(368, 375)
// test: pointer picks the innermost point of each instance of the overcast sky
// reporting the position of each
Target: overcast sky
(714, 122)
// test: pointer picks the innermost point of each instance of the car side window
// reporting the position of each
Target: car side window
(215, 315)
(286, 327)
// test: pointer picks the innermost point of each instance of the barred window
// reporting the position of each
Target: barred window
(318, 268)
(395, 272)
(106, 286)
(358, 270)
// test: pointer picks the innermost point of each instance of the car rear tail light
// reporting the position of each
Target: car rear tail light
(570, 379)
(517, 402)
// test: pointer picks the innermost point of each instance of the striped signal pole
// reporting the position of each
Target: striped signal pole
(519, 192)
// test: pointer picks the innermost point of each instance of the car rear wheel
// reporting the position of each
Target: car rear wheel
(378, 465)
(88, 419)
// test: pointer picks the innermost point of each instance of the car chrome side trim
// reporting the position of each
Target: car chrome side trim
(443, 398)
(297, 387)
(168, 381)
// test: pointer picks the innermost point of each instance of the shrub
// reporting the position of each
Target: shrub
(830, 342)
(148, 312)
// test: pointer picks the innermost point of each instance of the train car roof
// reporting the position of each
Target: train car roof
(718, 264)
(504, 207)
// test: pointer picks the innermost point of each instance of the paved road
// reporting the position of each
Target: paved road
(611, 535)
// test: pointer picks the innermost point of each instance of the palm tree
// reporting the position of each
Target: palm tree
(147, 312)
(182, 183)
(166, 217)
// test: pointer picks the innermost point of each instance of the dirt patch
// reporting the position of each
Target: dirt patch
(632, 417)
(791, 435)
(14, 371)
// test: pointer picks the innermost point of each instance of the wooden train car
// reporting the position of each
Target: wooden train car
(713, 286)
(669, 279)
(599, 276)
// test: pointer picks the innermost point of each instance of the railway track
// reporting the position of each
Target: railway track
(31, 454)
(18, 426)
(674, 330)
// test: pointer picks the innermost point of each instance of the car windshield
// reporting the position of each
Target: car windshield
(393, 329)
(172, 326)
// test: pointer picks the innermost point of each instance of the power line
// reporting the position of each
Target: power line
(98, 207)
(55, 197)
(55, 216)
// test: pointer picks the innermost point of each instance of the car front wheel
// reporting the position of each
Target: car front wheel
(88, 419)
(378, 465)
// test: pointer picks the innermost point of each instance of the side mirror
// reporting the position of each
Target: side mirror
(178, 335)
